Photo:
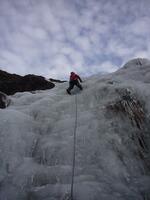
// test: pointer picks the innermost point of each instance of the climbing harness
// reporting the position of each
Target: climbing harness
(74, 151)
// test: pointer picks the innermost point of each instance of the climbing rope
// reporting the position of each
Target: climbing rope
(74, 152)
(70, 195)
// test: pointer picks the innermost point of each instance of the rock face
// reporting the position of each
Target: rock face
(56, 80)
(12, 83)
(4, 100)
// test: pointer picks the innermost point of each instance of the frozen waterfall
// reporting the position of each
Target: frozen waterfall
(36, 143)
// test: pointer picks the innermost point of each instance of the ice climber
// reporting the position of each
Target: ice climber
(74, 80)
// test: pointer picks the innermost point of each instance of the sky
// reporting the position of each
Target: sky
(54, 37)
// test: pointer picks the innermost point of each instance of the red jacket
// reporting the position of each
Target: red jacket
(74, 77)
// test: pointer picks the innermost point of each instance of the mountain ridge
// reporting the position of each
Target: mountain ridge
(12, 83)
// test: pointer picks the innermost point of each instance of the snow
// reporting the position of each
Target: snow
(36, 142)
(136, 69)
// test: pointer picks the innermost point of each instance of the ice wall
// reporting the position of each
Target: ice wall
(36, 143)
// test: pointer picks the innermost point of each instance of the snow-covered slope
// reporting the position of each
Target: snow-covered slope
(112, 154)
(136, 69)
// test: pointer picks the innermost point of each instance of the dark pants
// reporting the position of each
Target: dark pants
(73, 83)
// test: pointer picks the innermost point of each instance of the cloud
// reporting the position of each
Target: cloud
(52, 38)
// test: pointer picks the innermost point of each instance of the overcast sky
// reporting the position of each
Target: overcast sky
(53, 37)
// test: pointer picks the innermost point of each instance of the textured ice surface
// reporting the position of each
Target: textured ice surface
(36, 143)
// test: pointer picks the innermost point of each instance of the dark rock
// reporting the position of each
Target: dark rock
(56, 80)
(12, 83)
(4, 76)
(130, 106)
(4, 100)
